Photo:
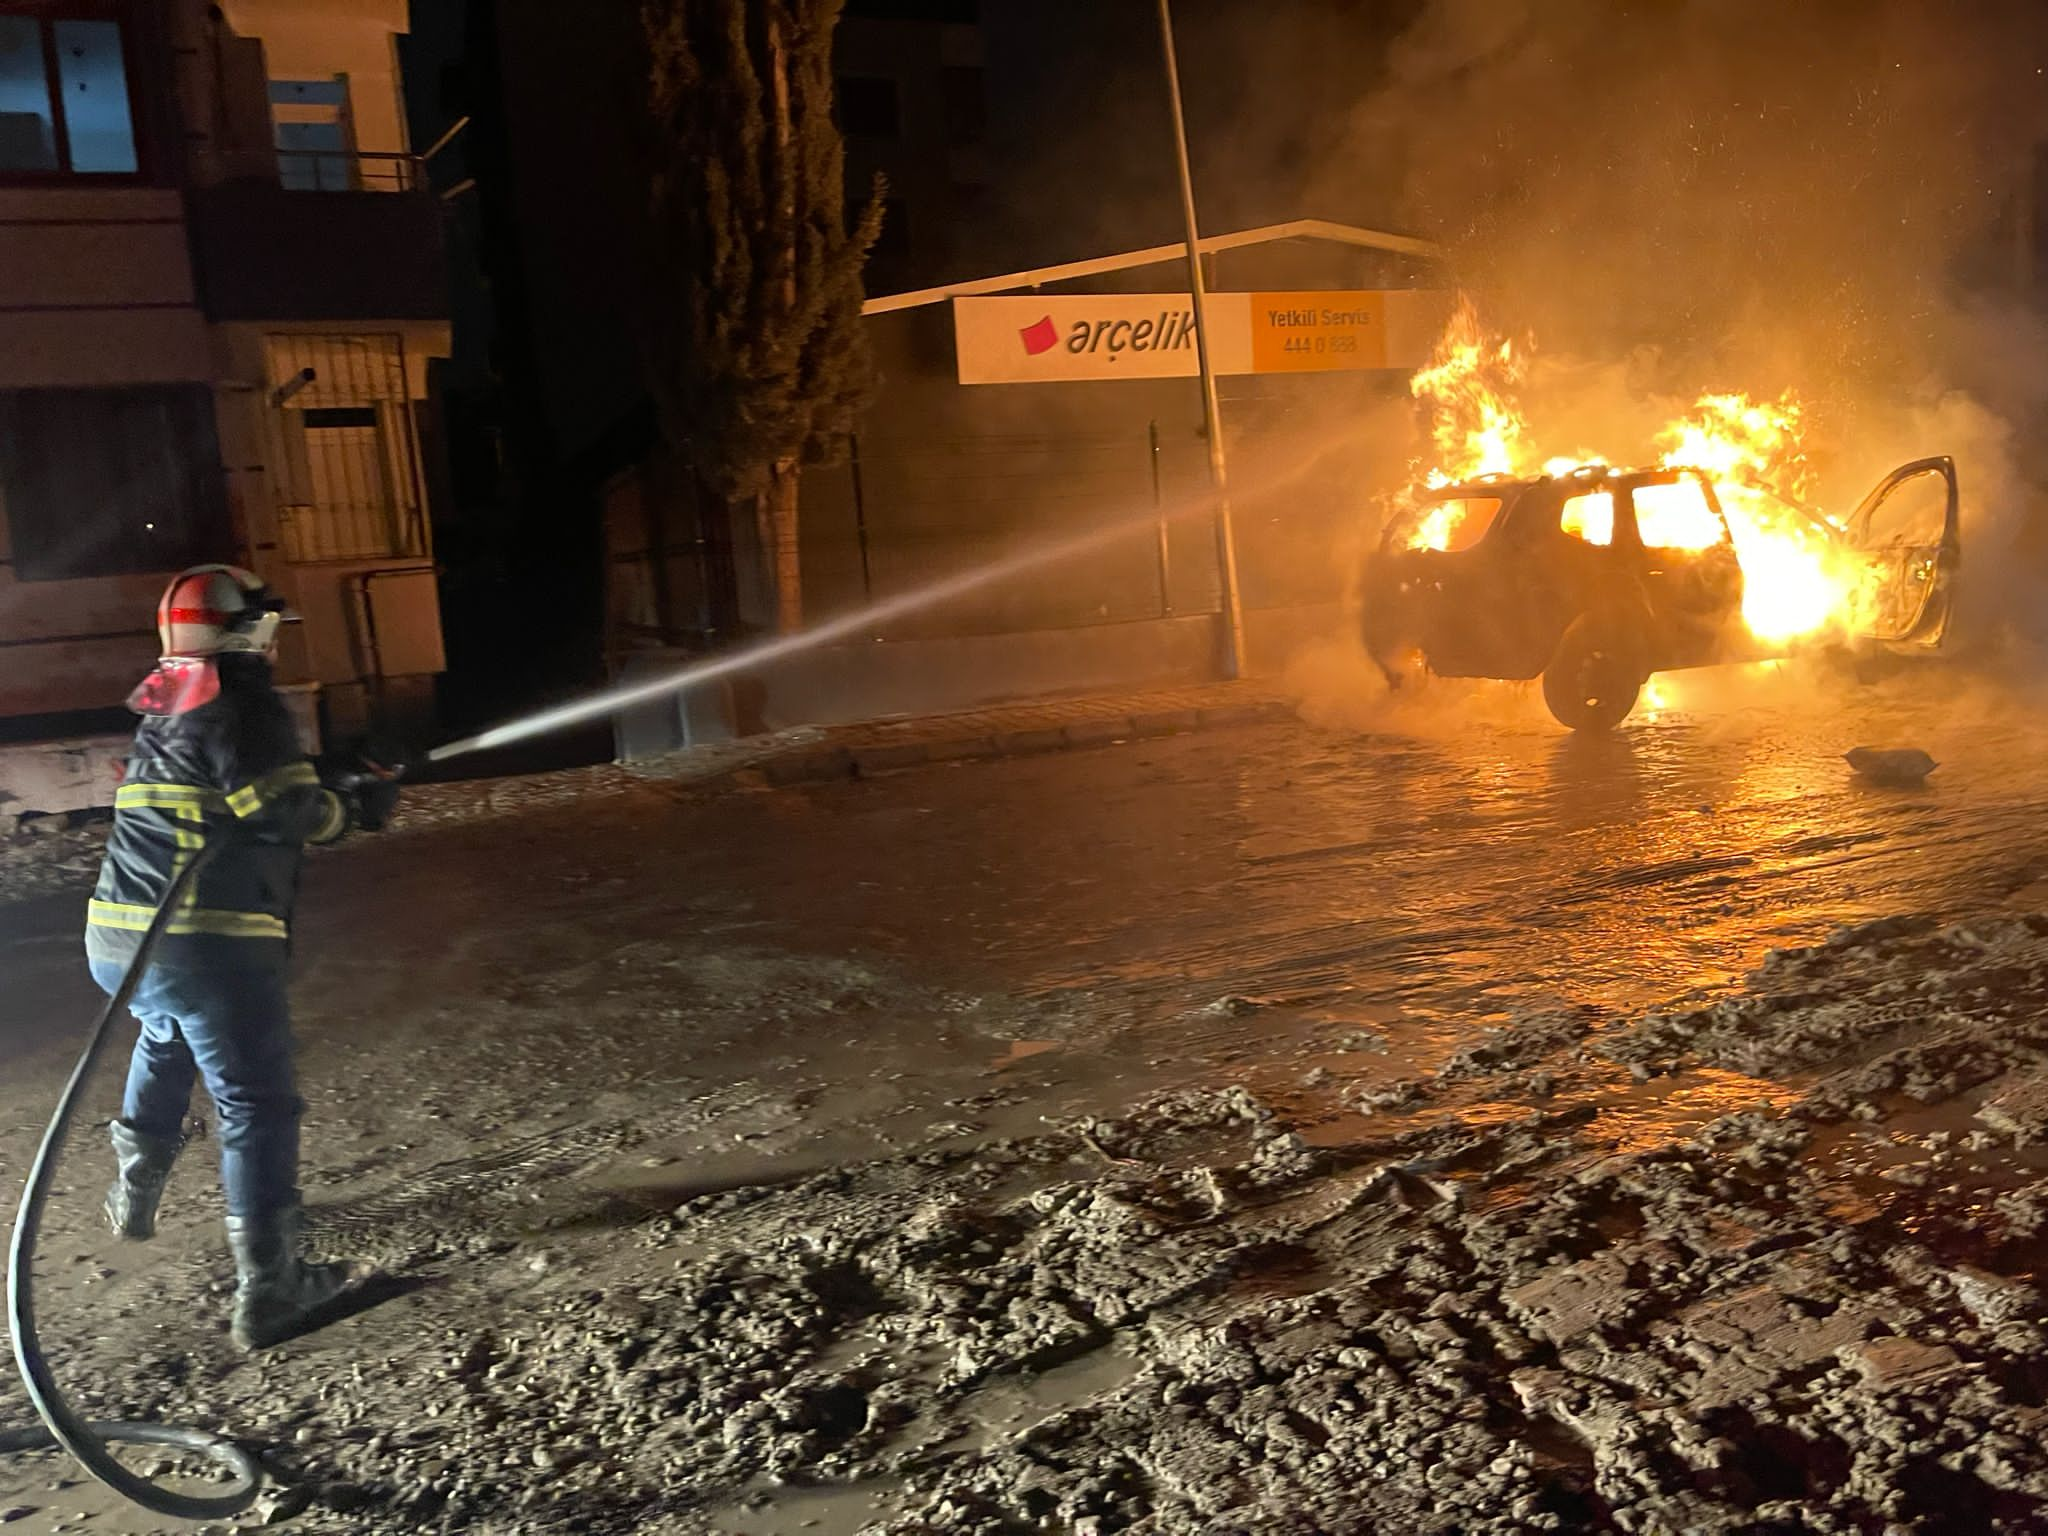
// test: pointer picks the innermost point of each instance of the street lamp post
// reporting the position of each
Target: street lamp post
(1212, 417)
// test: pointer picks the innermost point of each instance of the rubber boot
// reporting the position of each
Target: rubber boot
(143, 1163)
(279, 1294)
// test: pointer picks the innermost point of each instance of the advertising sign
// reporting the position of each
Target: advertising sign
(1045, 338)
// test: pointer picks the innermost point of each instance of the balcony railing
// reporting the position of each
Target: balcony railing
(320, 170)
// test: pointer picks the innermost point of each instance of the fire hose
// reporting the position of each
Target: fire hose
(86, 1440)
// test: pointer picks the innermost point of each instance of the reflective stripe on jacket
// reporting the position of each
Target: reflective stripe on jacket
(231, 768)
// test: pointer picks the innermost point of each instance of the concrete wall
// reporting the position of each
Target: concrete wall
(837, 684)
(96, 288)
(90, 670)
(875, 680)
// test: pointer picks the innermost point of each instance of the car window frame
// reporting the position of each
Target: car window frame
(1632, 483)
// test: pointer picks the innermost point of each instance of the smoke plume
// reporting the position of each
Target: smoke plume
(1835, 197)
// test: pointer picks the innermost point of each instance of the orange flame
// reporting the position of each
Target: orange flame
(1797, 580)
(1475, 427)
(1474, 424)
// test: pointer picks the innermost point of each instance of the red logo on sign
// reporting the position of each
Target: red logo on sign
(1040, 337)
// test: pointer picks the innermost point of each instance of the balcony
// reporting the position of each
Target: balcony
(332, 237)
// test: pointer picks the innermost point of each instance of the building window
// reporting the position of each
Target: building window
(64, 105)
(315, 148)
(867, 107)
(966, 90)
(103, 482)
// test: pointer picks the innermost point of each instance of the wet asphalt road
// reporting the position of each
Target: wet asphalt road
(1421, 870)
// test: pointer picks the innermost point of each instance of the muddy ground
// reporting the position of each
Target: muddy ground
(1286, 1129)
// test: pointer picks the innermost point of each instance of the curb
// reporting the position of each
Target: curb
(825, 762)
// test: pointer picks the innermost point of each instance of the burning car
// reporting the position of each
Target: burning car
(1594, 578)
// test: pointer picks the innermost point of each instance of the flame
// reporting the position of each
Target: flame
(1439, 525)
(1591, 517)
(1474, 426)
(1797, 578)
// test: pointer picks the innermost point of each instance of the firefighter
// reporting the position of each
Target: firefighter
(217, 756)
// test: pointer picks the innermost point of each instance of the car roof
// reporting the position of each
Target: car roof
(1584, 474)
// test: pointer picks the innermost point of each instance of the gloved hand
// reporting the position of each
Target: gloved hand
(365, 774)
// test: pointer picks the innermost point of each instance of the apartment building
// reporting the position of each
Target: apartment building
(221, 282)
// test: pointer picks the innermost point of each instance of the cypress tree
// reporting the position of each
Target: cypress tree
(758, 359)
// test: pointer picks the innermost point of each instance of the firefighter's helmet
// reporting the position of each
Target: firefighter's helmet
(217, 610)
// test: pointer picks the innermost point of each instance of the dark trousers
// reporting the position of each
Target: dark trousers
(232, 1027)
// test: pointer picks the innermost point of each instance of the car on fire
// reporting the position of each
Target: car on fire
(1594, 579)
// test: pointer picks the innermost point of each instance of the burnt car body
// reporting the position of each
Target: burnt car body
(1551, 577)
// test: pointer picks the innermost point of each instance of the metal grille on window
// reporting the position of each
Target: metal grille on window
(345, 461)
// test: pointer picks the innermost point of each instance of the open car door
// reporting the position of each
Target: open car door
(1906, 531)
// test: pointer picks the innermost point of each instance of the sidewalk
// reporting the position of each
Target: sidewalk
(813, 754)
(819, 754)
(60, 858)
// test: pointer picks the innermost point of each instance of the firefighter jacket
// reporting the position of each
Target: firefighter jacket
(232, 767)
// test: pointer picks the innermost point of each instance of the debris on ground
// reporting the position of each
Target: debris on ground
(51, 855)
(1459, 1321)
(1894, 766)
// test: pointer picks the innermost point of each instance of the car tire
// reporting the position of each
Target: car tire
(1596, 675)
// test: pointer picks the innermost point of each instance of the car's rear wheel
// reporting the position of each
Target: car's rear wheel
(1594, 679)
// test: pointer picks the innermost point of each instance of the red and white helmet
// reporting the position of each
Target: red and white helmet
(217, 610)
